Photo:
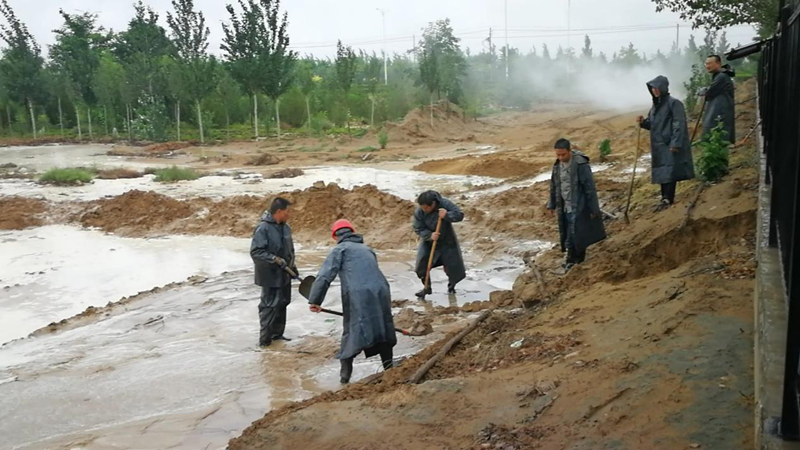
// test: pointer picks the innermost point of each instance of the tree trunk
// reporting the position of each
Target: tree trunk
(89, 116)
(228, 124)
(78, 117)
(60, 118)
(200, 122)
(178, 118)
(255, 114)
(372, 114)
(308, 113)
(431, 109)
(33, 117)
(129, 115)
(105, 117)
(8, 114)
(278, 116)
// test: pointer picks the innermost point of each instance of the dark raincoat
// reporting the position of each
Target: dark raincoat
(271, 239)
(448, 251)
(720, 105)
(667, 124)
(366, 298)
(588, 231)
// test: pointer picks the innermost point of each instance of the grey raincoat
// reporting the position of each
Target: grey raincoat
(588, 231)
(667, 124)
(448, 251)
(366, 297)
(271, 239)
(720, 105)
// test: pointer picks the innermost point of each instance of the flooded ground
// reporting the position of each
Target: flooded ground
(178, 368)
(44, 157)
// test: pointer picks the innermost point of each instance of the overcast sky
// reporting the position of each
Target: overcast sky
(315, 25)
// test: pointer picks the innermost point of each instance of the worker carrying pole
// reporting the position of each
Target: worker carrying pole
(366, 299)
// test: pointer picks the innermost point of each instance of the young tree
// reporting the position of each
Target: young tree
(21, 63)
(370, 75)
(108, 81)
(77, 51)
(441, 63)
(345, 72)
(545, 52)
(59, 86)
(228, 94)
(308, 83)
(256, 46)
(190, 38)
(175, 76)
(587, 52)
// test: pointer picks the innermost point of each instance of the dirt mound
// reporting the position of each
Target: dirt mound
(20, 213)
(449, 122)
(501, 167)
(165, 147)
(118, 173)
(287, 173)
(135, 213)
(264, 159)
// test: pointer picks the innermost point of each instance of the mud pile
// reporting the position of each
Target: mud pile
(500, 167)
(19, 212)
(135, 213)
(449, 123)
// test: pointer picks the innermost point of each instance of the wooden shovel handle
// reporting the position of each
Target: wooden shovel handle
(430, 258)
(340, 314)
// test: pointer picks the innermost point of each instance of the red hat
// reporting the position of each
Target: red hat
(340, 224)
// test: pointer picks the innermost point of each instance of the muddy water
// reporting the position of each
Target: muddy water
(179, 368)
(46, 157)
(54, 272)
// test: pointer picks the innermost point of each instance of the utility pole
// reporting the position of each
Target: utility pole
(506, 52)
(677, 36)
(385, 55)
(569, 36)
(414, 47)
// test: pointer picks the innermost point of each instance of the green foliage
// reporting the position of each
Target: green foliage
(67, 176)
(320, 123)
(605, 149)
(151, 121)
(717, 14)
(713, 161)
(173, 174)
(441, 63)
(699, 79)
(78, 50)
(383, 138)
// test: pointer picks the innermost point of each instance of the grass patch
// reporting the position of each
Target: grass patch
(368, 149)
(175, 173)
(67, 177)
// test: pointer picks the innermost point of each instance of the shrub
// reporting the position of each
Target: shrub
(66, 177)
(713, 161)
(605, 149)
(174, 173)
(383, 138)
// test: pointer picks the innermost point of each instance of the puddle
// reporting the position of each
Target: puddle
(404, 184)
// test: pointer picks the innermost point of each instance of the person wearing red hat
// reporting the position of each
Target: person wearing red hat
(366, 299)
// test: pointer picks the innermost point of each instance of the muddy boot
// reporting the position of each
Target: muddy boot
(663, 205)
(281, 338)
(425, 291)
(451, 289)
(347, 371)
(264, 343)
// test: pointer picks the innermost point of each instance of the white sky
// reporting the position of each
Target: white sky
(315, 25)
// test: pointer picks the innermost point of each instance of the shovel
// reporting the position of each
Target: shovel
(305, 283)
(430, 262)
(399, 330)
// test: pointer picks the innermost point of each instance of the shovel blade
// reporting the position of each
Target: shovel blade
(305, 286)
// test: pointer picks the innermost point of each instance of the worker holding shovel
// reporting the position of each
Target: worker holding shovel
(366, 299)
(272, 251)
(433, 223)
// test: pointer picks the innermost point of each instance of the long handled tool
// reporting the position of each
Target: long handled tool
(699, 118)
(399, 330)
(305, 283)
(430, 261)
(633, 176)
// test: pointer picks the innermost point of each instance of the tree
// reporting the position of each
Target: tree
(256, 46)
(190, 38)
(441, 63)
(77, 51)
(345, 72)
(723, 46)
(587, 52)
(629, 56)
(308, 83)
(59, 86)
(108, 82)
(372, 71)
(176, 78)
(228, 94)
(717, 14)
(545, 52)
(22, 62)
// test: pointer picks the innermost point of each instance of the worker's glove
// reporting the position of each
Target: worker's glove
(279, 261)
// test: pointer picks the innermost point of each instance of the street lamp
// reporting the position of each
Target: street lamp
(385, 62)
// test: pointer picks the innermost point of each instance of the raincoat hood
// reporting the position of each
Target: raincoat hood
(346, 235)
(728, 70)
(662, 84)
(267, 217)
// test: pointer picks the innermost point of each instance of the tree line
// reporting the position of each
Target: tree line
(156, 83)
